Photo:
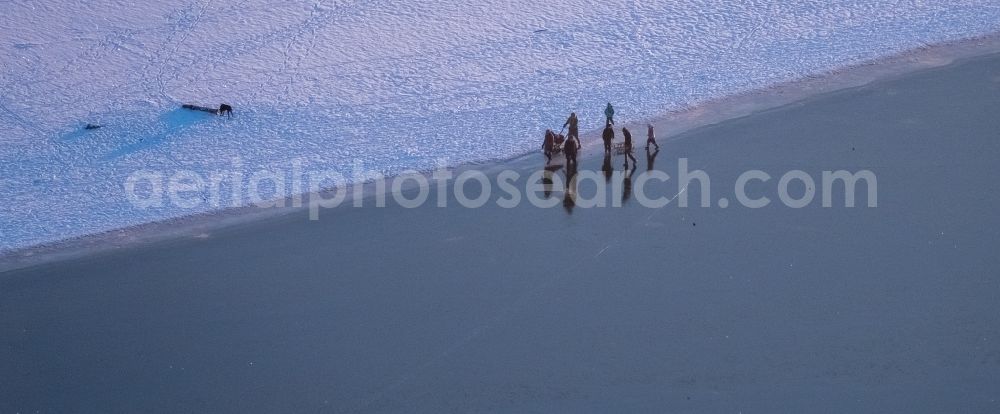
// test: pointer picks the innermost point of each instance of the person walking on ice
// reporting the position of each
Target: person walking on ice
(608, 136)
(574, 126)
(651, 139)
(628, 147)
(609, 112)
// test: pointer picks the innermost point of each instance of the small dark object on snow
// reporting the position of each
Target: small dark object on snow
(223, 109)
(91, 126)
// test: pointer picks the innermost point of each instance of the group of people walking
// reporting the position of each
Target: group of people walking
(571, 145)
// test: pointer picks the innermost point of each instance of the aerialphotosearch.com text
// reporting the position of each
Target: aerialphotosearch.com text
(318, 189)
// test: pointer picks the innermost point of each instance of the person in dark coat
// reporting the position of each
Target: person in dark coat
(608, 136)
(570, 149)
(574, 126)
(628, 147)
(609, 112)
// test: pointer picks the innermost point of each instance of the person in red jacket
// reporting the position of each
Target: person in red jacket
(651, 138)
(548, 145)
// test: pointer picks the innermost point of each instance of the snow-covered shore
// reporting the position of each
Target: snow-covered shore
(393, 84)
(676, 124)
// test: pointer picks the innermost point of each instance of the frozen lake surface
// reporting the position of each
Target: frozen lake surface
(531, 310)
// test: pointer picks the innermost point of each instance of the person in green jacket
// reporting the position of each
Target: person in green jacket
(610, 113)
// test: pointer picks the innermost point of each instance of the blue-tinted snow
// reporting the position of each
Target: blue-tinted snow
(396, 84)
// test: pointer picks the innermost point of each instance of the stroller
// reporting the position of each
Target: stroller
(557, 143)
